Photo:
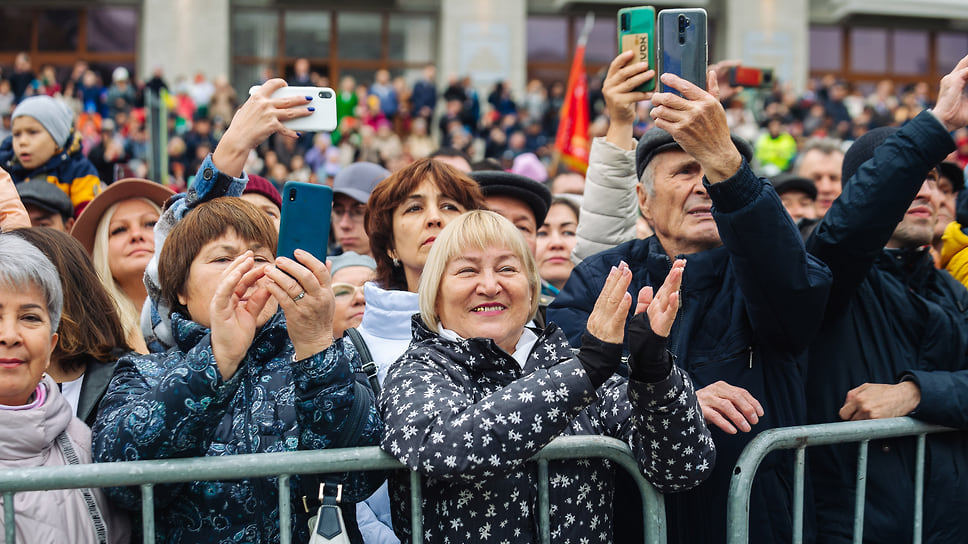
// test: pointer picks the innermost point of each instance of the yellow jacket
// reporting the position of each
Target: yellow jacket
(954, 257)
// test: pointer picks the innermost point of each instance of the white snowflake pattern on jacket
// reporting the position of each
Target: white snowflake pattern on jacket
(467, 417)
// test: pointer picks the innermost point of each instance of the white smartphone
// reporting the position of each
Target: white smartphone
(323, 118)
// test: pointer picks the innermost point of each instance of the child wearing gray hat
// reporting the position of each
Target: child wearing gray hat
(44, 147)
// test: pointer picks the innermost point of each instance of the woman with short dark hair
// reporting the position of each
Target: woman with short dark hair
(253, 366)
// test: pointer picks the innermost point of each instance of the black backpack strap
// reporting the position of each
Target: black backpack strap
(369, 367)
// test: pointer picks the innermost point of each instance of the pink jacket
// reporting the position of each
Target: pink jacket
(13, 215)
(61, 515)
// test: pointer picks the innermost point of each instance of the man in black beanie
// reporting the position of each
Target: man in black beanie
(894, 341)
(751, 297)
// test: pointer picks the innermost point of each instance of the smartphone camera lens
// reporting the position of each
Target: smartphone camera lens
(325, 95)
(625, 22)
(292, 195)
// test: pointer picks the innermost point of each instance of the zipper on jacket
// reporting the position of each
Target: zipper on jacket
(751, 356)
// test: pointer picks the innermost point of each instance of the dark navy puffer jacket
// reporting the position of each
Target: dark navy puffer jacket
(467, 416)
(749, 309)
(176, 404)
(891, 316)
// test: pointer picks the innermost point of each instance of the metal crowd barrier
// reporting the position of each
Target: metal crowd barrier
(147, 474)
(799, 438)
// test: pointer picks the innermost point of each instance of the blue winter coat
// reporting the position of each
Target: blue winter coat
(176, 404)
(891, 315)
(749, 309)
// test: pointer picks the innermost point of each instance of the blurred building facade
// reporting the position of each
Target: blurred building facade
(858, 41)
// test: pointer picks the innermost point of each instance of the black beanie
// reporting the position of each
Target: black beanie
(862, 150)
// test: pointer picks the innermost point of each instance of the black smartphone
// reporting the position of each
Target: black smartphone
(306, 212)
(682, 46)
(636, 32)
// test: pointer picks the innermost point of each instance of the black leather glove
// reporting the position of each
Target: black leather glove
(648, 359)
(599, 359)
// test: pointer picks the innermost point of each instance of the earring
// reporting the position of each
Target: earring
(396, 262)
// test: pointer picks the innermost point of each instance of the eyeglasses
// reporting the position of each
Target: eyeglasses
(346, 290)
(356, 213)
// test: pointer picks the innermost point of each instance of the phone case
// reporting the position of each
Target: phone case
(306, 211)
(636, 31)
(323, 118)
(682, 48)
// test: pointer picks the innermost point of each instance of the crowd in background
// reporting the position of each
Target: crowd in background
(388, 121)
(205, 325)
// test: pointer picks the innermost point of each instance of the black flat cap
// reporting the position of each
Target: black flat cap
(655, 141)
(46, 196)
(499, 183)
(786, 182)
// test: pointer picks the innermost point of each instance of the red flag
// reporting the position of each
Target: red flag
(572, 138)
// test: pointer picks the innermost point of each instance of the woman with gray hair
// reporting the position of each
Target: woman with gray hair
(37, 423)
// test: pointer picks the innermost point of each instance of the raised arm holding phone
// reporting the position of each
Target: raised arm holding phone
(237, 324)
(752, 299)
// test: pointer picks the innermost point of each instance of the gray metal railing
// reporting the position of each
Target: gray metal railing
(147, 474)
(799, 438)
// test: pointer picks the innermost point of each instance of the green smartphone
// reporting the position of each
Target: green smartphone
(636, 32)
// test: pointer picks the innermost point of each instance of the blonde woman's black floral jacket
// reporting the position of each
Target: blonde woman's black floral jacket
(466, 416)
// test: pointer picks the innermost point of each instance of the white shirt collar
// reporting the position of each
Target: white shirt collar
(521, 350)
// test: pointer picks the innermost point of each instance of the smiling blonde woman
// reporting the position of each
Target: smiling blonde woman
(478, 393)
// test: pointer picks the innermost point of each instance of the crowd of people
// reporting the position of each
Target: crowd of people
(719, 270)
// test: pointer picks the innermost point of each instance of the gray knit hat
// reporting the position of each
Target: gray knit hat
(351, 258)
(55, 116)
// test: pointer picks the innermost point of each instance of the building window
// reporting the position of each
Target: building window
(865, 55)
(103, 36)
(826, 52)
(336, 43)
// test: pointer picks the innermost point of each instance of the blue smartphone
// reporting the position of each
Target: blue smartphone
(682, 46)
(306, 212)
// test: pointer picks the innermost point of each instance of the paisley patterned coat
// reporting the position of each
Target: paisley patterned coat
(176, 404)
(467, 417)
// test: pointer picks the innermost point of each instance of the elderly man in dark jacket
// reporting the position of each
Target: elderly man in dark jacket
(752, 298)
(894, 341)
